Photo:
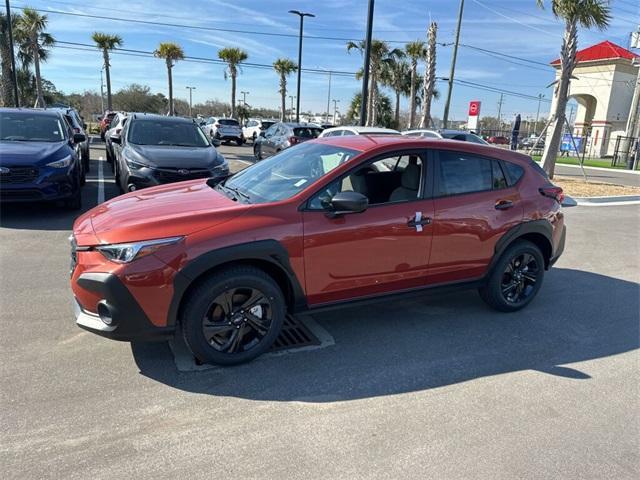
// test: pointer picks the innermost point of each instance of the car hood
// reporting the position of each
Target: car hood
(32, 153)
(175, 157)
(158, 212)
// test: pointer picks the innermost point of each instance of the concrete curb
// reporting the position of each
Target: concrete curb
(601, 201)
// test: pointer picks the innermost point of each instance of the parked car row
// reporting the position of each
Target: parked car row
(41, 156)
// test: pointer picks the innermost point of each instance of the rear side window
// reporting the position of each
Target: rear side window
(499, 180)
(463, 173)
(515, 172)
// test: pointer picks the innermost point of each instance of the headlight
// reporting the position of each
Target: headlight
(223, 167)
(135, 165)
(65, 162)
(127, 252)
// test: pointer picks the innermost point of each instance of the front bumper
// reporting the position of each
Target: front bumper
(127, 321)
(147, 177)
(48, 187)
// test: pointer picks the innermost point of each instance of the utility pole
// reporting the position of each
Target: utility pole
(335, 109)
(535, 127)
(452, 72)
(291, 97)
(191, 89)
(367, 63)
(500, 111)
(14, 76)
(244, 97)
(328, 98)
(301, 15)
(633, 124)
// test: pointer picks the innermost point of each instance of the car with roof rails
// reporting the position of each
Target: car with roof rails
(224, 130)
(156, 149)
(282, 135)
(319, 225)
(460, 135)
(254, 126)
(39, 158)
(347, 130)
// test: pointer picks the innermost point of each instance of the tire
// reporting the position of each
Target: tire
(83, 177)
(253, 138)
(257, 152)
(509, 286)
(87, 160)
(257, 328)
(240, 142)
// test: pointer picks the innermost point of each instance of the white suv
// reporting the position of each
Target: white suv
(223, 129)
(254, 126)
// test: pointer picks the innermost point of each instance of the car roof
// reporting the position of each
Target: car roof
(363, 130)
(419, 130)
(300, 124)
(38, 111)
(156, 117)
(383, 143)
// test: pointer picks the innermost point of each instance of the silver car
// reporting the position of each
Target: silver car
(223, 129)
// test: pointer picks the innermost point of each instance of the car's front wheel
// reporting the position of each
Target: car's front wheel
(233, 316)
(516, 278)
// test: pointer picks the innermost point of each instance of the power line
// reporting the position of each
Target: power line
(513, 57)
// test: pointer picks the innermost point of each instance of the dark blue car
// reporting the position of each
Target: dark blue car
(38, 160)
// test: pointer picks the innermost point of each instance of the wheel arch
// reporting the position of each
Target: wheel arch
(267, 255)
(538, 232)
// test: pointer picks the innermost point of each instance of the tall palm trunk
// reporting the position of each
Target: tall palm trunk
(429, 76)
(36, 62)
(373, 112)
(283, 97)
(233, 93)
(397, 112)
(107, 66)
(567, 64)
(169, 67)
(412, 94)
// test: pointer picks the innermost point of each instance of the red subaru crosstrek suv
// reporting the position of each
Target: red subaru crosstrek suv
(330, 221)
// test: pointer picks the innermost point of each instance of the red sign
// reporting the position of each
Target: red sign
(474, 108)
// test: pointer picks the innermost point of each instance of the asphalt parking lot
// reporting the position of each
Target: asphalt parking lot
(434, 387)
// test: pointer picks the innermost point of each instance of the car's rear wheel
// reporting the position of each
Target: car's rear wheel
(234, 316)
(253, 137)
(516, 278)
(257, 152)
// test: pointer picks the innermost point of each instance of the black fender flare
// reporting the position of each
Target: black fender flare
(265, 252)
(540, 227)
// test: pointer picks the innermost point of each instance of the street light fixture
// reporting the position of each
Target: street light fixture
(244, 97)
(301, 15)
(191, 89)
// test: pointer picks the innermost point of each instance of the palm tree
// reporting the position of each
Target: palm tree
(284, 67)
(380, 53)
(588, 14)
(171, 52)
(429, 85)
(6, 89)
(234, 57)
(106, 42)
(33, 41)
(397, 76)
(416, 50)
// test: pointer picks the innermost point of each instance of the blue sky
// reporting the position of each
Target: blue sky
(514, 27)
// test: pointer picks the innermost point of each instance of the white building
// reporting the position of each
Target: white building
(605, 80)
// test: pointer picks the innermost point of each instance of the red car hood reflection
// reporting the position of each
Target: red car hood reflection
(159, 212)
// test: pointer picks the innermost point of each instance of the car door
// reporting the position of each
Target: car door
(473, 208)
(381, 250)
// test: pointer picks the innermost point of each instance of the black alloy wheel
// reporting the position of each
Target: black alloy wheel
(515, 278)
(237, 320)
(233, 316)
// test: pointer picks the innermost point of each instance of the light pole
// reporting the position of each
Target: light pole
(367, 62)
(301, 15)
(535, 128)
(328, 97)
(191, 89)
(244, 97)
(291, 97)
(335, 109)
(452, 72)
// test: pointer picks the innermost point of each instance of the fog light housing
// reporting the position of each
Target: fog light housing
(104, 312)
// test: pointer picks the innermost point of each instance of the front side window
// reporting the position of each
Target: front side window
(287, 173)
(396, 178)
(29, 127)
(167, 133)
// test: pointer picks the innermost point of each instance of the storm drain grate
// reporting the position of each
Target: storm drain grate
(294, 334)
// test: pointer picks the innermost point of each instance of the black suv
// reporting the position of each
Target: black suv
(282, 135)
(154, 149)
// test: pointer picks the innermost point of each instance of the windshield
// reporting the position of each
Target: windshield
(287, 173)
(29, 127)
(266, 125)
(306, 132)
(166, 132)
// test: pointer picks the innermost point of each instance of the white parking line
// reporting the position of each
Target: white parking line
(100, 181)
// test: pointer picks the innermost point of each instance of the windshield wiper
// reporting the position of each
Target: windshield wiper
(234, 191)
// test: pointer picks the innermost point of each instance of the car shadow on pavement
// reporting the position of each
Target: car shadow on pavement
(413, 345)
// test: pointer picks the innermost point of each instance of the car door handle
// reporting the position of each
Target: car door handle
(414, 223)
(504, 204)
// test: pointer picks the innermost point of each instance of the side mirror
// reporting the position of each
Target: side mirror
(79, 137)
(115, 139)
(347, 202)
(262, 134)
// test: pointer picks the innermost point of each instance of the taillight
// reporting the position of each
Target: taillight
(553, 192)
(294, 140)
